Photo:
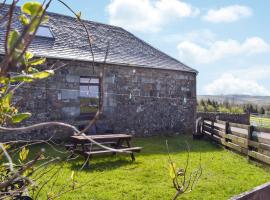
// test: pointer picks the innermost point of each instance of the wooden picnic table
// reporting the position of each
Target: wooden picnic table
(83, 146)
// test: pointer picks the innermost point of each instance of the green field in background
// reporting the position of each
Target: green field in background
(260, 121)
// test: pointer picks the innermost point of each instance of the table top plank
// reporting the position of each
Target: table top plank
(105, 136)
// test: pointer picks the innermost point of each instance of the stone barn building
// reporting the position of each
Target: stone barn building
(145, 91)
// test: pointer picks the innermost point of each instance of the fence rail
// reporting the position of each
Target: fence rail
(246, 139)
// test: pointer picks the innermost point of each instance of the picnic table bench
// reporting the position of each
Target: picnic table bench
(83, 146)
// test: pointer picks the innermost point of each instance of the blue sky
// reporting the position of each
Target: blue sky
(227, 41)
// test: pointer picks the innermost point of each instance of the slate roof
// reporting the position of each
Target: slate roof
(70, 42)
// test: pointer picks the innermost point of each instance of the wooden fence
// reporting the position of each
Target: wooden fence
(246, 139)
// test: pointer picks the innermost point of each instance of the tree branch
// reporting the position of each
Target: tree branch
(20, 172)
(8, 157)
(61, 124)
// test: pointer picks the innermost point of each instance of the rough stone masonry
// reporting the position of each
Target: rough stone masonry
(139, 101)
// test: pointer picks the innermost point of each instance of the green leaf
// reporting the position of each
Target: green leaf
(13, 37)
(172, 172)
(28, 172)
(72, 176)
(3, 89)
(22, 78)
(6, 146)
(32, 70)
(29, 55)
(37, 61)
(25, 20)
(3, 80)
(78, 15)
(23, 153)
(19, 117)
(43, 74)
(32, 8)
(34, 25)
(5, 101)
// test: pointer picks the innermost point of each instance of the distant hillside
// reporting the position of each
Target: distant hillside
(238, 99)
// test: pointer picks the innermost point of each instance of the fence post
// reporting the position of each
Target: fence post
(226, 132)
(198, 133)
(249, 148)
(202, 122)
(227, 127)
(212, 127)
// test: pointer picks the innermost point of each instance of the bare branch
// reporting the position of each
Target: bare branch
(10, 14)
(20, 130)
(20, 172)
(8, 157)
(187, 184)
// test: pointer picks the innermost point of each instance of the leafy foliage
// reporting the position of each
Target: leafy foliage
(29, 72)
(32, 8)
(214, 106)
(23, 154)
(230, 107)
(19, 117)
(17, 68)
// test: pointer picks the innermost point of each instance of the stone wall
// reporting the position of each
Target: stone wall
(235, 118)
(139, 101)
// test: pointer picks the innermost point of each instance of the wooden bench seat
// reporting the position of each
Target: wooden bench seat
(89, 154)
(131, 149)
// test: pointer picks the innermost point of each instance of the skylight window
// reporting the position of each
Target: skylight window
(44, 31)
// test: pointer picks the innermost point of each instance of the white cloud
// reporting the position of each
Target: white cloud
(201, 36)
(258, 72)
(227, 14)
(229, 84)
(192, 52)
(146, 15)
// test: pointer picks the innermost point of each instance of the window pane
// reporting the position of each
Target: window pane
(89, 91)
(94, 80)
(94, 91)
(89, 80)
(44, 31)
(84, 91)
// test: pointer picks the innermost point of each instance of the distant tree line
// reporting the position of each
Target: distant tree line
(227, 107)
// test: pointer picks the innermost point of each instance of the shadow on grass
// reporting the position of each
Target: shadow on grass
(102, 164)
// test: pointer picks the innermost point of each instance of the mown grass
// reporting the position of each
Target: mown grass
(260, 121)
(224, 173)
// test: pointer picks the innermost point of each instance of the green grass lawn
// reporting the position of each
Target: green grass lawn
(224, 173)
(260, 121)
